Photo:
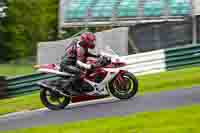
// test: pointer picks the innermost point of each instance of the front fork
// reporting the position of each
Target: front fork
(117, 78)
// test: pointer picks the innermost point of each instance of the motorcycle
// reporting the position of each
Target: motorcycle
(109, 79)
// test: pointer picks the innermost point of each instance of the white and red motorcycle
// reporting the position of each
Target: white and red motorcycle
(110, 79)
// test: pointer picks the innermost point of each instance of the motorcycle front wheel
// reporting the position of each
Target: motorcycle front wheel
(53, 100)
(124, 87)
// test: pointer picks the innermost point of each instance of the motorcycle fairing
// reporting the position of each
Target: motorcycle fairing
(100, 88)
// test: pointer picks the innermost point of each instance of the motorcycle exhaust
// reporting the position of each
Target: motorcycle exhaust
(52, 89)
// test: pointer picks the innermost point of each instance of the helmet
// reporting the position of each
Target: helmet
(88, 40)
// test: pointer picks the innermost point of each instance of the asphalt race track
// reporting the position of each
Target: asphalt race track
(103, 108)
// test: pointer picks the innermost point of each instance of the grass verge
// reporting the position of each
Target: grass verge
(181, 120)
(22, 103)
(184, 78)
(13, 70)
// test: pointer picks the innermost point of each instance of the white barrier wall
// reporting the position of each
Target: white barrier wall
(117, 39)
(196, 7)
(145, 63)
(139, 64)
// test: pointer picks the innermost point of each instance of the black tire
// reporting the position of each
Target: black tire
(125, 95)
(46, 102)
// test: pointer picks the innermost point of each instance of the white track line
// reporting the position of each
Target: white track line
(72, 105)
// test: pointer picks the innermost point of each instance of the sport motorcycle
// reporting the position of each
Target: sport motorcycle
(110, 78)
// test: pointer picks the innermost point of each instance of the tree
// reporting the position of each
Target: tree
(28, 22)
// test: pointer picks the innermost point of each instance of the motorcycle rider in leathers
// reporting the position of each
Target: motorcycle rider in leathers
(76, 57)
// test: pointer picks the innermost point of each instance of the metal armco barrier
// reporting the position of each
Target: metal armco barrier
(3, 87)
(164, 60)
(144, 63)
(26, 84)
(182, 57)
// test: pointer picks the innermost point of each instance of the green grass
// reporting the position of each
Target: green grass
(181, 120)
(14, 70)
(183, 78)
(152, 83)
(22, 103)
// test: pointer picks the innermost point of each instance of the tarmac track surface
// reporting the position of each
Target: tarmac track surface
(102, 108)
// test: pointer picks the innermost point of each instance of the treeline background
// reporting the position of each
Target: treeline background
(27, 23)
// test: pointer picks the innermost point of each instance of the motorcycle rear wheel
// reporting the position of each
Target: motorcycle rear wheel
(49, 98)
(119, 91)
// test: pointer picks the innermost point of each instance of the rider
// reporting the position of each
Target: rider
(76, 57)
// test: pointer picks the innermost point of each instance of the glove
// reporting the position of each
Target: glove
(95, 66)
(106, 60)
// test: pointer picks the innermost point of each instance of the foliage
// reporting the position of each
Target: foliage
(28, 22)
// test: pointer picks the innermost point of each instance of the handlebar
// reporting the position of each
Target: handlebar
(103, 60)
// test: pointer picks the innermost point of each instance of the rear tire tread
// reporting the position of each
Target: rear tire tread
(50, 106)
